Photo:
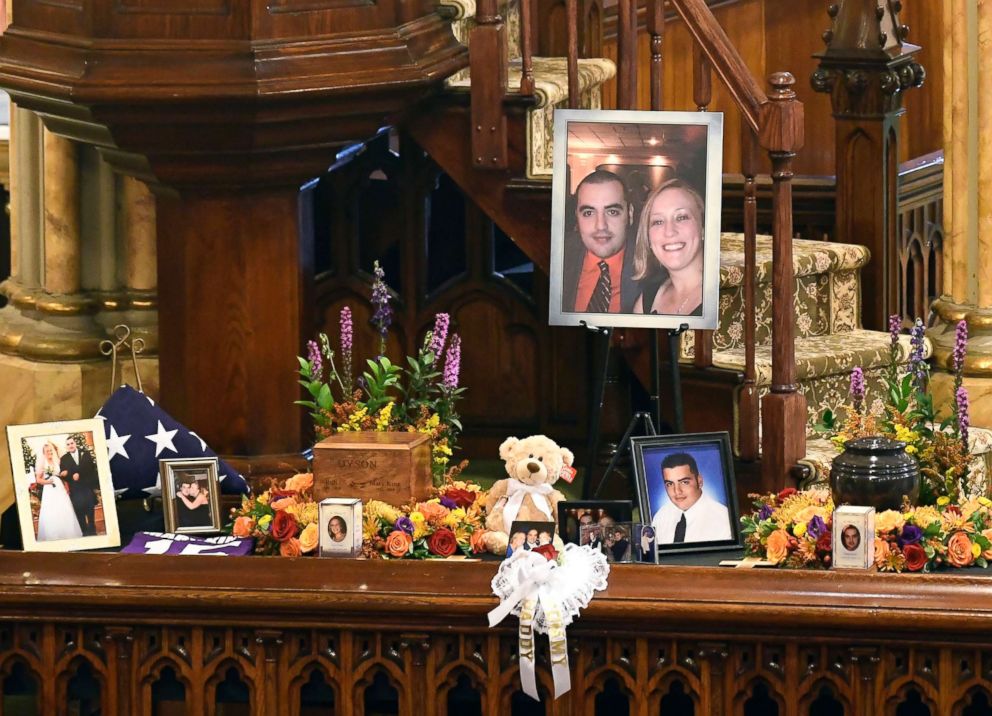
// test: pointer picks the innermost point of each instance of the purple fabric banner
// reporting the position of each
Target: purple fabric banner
(169, 543)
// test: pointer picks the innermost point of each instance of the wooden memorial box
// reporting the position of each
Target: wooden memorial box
(392, 467)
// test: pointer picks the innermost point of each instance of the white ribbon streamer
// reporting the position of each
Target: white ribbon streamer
(516, 491)
(546, 597)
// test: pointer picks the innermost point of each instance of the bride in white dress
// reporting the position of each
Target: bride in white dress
(56, 518)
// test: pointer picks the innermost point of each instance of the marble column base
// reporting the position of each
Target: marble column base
(977, 364)
(36, 392)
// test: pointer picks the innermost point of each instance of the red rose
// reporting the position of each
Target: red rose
(548, 551)
(823, 544)
(442, 543)
(916, 557)
(461, 498)
(283, 526)
(787, 492)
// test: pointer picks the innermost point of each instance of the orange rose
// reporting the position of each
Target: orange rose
(243, 527)
(282, 503)
(882, 551)
(398, 543)
(987, 534)
(777, 547)
(300, 482)
(290, 548)
(959, 551)
(309, 538)
(478, 541)
(434, 512)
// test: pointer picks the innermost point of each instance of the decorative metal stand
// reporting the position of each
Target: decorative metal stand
(122, 334)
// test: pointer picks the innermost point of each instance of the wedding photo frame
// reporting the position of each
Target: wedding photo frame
(687, 491)
(191, 495)
(62, 486)
(635, 218)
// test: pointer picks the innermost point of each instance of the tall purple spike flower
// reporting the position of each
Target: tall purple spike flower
(347, 341)
(964, 421)
(382, 316)
(452, 363)
(313, 356)
(895, 328)
(858, 388)
(439, 335)
(960, 346)
(917, 363)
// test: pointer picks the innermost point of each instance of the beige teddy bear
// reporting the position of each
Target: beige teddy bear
(533, 465)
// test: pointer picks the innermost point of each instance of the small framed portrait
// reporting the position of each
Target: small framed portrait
(635, 218)
(526, 535)
(191, 495)
(853, 537)
(62, 485)
(687, 492)
(340, 527)
(618, 542)
(578, 520)
(645, 544)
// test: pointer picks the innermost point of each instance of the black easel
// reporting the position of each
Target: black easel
(640, 418)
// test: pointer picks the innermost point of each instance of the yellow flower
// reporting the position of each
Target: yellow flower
(354, 423)
(263, 499)
(309, 538)
(943, 500)
(985, 502)
(911, 450)
(454, 518)
(380, 510)
(419, 525)
(799, 529)
(384, 417)
(888, 520)
(976, 551)
(305, 514)
(264, 522)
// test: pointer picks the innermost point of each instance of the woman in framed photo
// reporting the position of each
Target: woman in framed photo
(192, 503)
(337, 528)
(668, 251)
(56, 516)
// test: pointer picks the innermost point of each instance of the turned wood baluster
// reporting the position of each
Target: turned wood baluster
(702, 95)
(626, 54)
(488, 63)
(527, 30)
(656, 26)
(784, 408)
(572, 18)
(748, 401)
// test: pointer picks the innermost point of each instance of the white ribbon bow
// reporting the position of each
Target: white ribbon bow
(515, 493)
(534, 574)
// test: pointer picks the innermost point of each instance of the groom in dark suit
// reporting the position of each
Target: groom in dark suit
(79, 471)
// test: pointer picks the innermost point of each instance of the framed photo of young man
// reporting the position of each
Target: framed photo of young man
(191, 495)
(687, 492)
(62, 486)
(635, 222)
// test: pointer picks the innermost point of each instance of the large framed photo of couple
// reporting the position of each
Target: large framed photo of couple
(635, 222)
(687, 492)
(62, 485)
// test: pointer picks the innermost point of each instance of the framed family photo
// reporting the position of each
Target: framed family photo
(191, 495)
(687, 492)
(62, 486)
(583, 521)
(635, 222)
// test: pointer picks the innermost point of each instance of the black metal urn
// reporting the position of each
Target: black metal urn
(875, 472)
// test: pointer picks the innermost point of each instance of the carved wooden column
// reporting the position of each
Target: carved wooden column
(865, 68)
(228, 107)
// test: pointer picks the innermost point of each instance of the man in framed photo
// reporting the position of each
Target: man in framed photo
(690, 515)
(598, 273)
(79, 471)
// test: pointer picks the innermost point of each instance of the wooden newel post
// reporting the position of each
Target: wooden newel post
(488, 62)
(784, 408)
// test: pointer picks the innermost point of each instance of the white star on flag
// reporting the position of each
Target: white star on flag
(156, 489)
(115, 444)
(203, 443)
(163, 439)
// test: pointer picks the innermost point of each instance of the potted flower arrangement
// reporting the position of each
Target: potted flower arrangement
(906, 413)
(419, 395)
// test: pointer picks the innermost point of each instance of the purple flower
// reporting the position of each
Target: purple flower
(816, 527)
(347, 340)
(765, 512)
(452, 363)
(858, 388)
(313, 356)
(449, 503)
(404, 524)
(960, 346)
(911, 534)
(382, 316)
(439, 335)
(895, 328)
(917, 363)
(961, 398)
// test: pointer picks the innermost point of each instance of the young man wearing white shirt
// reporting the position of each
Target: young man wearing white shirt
(689, 515)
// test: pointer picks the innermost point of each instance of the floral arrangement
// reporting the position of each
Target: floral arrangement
(418, 396)
(906, 412)
(282, 520)
(450, 522)
(793, 529)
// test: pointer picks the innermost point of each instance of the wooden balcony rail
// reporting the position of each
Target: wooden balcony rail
(919, 265)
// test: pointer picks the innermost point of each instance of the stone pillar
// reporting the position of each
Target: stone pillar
(61, 199)
(967, 251)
